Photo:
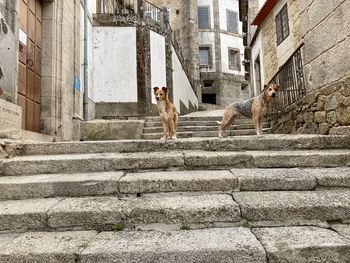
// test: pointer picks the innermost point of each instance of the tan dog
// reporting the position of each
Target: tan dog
(167, 112)
(254, 108)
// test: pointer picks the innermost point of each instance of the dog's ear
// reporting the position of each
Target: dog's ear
(278, 87)
(155, 89)
(165, 89)
(265, 87)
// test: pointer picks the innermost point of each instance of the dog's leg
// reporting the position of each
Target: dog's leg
(260, 127)
(227, 120)
(176, 122)
(165, 136)
(257, 124)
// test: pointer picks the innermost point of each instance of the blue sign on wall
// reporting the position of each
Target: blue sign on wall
(77, 83)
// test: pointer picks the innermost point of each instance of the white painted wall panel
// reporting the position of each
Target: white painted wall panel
(115, 73)
(182, 87)
(158, 61)
(228, 41)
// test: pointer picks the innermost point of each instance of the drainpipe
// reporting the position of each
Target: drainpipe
(86, 86)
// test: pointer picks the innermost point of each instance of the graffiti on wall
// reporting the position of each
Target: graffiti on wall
(7, 61)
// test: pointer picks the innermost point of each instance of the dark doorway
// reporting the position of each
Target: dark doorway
(209, 98)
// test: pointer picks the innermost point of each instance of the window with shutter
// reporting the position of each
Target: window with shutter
(282, 25)
(234, 59)
(203, 17)
(232, 21)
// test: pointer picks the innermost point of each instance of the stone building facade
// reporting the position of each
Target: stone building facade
(319, 32)
(46, 65)
(213, 52)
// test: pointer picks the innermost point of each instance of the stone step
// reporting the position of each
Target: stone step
(185, 118)
(267, 142)
(256, 209)
(238, 244)
(197, 123)
(114, 183)
(53, 185)
(272, 208)
(203, 128)
(81, 163)
(153, 136)
(206, 246)
(101, 213)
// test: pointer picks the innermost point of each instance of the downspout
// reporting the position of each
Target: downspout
(86, 86)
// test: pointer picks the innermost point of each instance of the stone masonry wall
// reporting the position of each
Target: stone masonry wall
(323, 111)
(61, 102)
(323, 28)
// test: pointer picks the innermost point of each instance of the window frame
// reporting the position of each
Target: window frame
(234, 66)
(209, 20)
(206, 47)
(282, 22)
(237, 21)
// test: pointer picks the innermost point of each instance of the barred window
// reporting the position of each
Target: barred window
(282, 25)
(203, 17)
(232, 21)
(234, 59)
(204, 56)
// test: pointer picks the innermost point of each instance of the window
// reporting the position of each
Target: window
(282, 26)
(232, 21)
(204, 56)
(234, 59)
(203, 17)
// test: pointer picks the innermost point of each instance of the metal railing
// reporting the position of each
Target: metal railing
(115, 6)
(291, 79)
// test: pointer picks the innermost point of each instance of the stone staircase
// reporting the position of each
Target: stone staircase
(279, 198)
(201, 127)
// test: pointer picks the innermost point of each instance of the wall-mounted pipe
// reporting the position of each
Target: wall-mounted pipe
(86, 79)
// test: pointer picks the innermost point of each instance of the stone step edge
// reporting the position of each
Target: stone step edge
(198, 211)
(259, 245)
(122, 183)
(72, 163)
(271, 141)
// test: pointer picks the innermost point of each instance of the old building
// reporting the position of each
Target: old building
(303, 46)
(210, 36)
(62, 64)
(41, 72)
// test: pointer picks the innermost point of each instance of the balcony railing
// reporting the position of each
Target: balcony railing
(291, 79)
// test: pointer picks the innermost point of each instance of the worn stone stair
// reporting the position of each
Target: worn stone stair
(279, 198)
(201, 127)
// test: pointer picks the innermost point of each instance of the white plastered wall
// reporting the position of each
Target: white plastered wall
(158, 61)
(208, 39)
(115, 67)
(228, 41)
(181, 85)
